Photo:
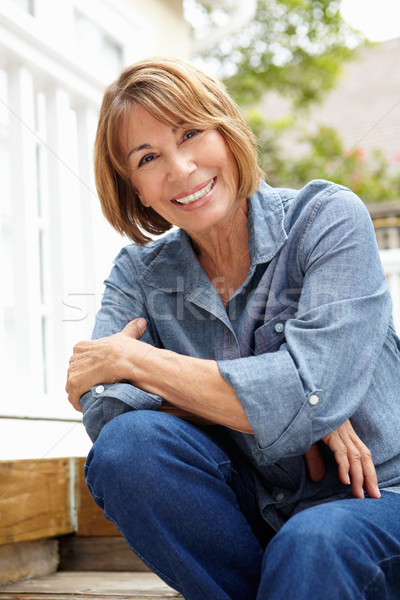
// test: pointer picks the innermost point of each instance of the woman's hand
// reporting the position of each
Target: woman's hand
(105, 360)
(353, 458)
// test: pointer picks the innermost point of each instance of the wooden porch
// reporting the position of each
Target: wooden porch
(55, 543)
(90, 586)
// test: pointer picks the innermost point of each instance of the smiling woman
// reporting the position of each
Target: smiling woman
(189, 107)
(237, 361)
(178, 170)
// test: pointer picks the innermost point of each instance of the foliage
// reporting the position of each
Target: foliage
(369, 176)
(293, 46)
(296, 48)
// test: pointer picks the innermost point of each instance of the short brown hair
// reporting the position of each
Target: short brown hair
(172, 91)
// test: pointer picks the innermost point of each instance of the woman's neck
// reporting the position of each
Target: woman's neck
(223, 253)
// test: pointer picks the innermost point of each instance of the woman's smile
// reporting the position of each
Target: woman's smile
(196, 199)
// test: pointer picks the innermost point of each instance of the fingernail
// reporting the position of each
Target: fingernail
(141, 323)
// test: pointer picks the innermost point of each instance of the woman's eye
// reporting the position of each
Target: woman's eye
(146, 159)
(191, 133)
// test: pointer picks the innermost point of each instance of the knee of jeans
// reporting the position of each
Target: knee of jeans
(315, 530)
(130, 446)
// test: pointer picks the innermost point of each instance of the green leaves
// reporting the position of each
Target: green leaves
(293, 46)
(297, 48)
(369, 175)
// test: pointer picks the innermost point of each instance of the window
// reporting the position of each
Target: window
(27, 5)
(98, 47)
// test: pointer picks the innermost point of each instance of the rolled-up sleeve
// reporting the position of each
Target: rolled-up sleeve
(321, 372)
(121, 303)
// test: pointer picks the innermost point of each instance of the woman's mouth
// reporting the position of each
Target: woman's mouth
(196, 195)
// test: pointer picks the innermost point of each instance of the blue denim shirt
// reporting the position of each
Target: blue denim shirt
(306, 341)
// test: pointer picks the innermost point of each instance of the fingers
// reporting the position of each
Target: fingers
(315, 463)
(362, 470)
(354, 461)
(96, 361)
(341, 456)
(102, 359)
(367, 470)
(76, 405)
(74, 386)
(135, 329)
(349, 462)
(73, 397)
(356, 470)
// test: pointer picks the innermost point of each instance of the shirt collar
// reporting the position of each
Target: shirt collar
(266, 216)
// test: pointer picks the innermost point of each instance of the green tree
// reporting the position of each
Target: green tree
(297, 48)
(368, 175)
(294, 46)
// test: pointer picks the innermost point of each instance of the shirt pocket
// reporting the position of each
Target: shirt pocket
(270, 336)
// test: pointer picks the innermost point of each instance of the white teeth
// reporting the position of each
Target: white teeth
(197, 195)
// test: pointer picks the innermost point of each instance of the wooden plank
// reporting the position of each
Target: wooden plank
(91, 519)
(36, 502)
(97, 554)
(98, 596)
(28, 559)
(34, 499)
(98, 586)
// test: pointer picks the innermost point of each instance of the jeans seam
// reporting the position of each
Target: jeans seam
(101, 498)
(222, 469)
(172, 583)
(378, 566)
(160, 573)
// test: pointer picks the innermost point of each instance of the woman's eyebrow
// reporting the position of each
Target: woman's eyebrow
(148, 146)
(138, 148)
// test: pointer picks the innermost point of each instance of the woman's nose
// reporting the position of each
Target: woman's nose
(180, 167)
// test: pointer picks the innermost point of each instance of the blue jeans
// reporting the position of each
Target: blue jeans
(186, 506)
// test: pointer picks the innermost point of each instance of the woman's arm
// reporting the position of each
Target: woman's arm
(322, 372)
(122, 301)
(195, 390)
(191, 384)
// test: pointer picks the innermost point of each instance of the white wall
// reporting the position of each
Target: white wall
(391, 265)
(55, 246)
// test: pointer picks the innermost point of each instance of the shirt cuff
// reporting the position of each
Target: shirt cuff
(106, 401)
(277, 406)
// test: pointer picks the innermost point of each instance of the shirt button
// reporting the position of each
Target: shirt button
(279, 497)
(99, 389)
(279, 327)
(313, 399)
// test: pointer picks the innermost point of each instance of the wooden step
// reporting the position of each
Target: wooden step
(97, 554)
(90, 586)
(47, 498)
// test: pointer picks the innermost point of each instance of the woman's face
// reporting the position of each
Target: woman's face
(188, 176)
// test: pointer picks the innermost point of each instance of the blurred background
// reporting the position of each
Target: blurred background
(319, 82)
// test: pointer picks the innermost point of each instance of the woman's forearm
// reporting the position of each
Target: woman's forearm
(191, 384)
(194, 386)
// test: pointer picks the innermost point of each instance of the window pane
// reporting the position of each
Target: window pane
(99, 48)
(27, 5)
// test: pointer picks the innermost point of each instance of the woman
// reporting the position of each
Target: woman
(225, 350)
